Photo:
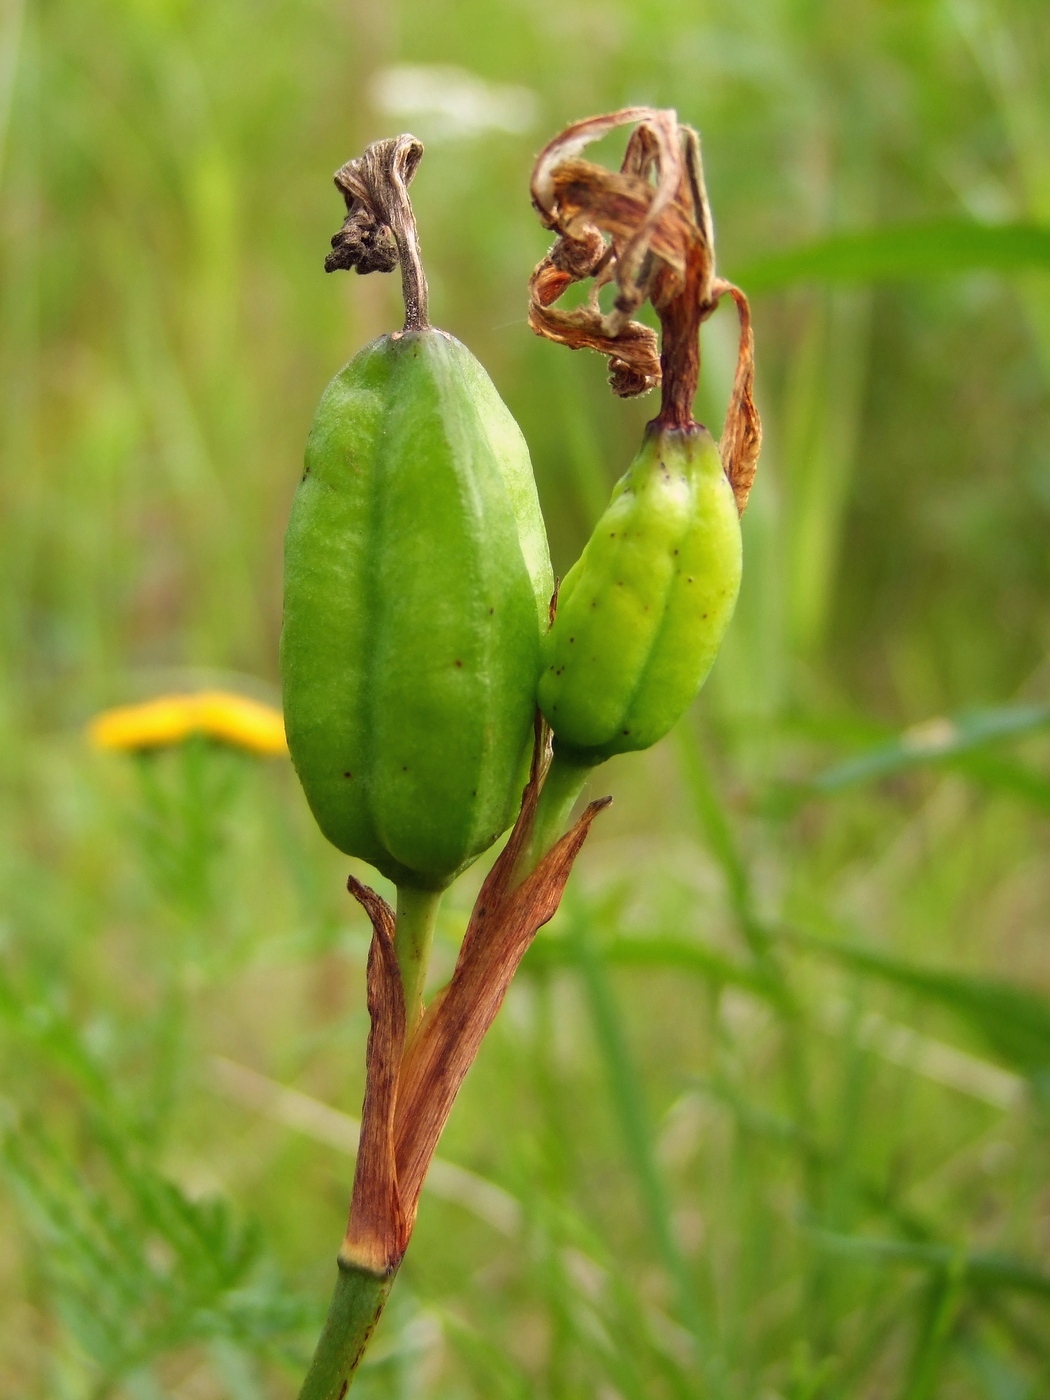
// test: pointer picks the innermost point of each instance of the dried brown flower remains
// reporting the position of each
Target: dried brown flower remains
(647, 228)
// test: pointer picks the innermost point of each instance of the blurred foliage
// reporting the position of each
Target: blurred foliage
(766, 1109)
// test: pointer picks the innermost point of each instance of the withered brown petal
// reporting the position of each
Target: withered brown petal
(633, 351)
(588, 195)
(741, 439)
(653, 222)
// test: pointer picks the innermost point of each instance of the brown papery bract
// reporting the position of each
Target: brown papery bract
(410, 1089)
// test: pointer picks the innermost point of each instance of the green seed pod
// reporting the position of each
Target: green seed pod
(642, 613)
(417, 582)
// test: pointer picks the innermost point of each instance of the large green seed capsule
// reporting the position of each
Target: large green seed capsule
(642, 613)
(417, 581)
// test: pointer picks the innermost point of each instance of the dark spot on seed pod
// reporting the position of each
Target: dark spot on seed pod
(627, 731)
(676, 551)
(473, 792)
(689, 580)
(459, 664)
(491, 611)
(612, 534)
(348, 775)
(404, 768)
(343, 1389)
(572, 639)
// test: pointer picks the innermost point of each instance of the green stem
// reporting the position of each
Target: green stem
(562, 786)
(413, 935)
(352, 1315)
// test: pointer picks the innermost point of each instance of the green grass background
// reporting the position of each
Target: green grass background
(766, 1112)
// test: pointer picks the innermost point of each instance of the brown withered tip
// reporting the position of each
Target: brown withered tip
(379, 231)
(647, 228)
(362, 245)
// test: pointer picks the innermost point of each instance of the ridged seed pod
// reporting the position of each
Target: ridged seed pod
(642, 613)
(416, 581)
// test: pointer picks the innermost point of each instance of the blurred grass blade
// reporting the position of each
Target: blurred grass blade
(631, 1109)
(657, 953)
(11, 20)
(979, 1270)
(823, 415)
(1005, 775)
(936, 248)
(935, 741)
(1013, 1022)
(938, 1316)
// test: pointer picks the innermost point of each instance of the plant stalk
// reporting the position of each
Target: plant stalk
(413, 936)
(355, 1308)
(561, 787)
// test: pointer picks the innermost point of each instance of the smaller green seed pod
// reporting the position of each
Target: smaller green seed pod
(642, 613)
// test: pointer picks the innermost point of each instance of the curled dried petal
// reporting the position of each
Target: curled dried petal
(647, 228)
(741, 439)
(634, 357)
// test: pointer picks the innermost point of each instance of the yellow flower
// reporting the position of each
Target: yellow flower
(217, 714)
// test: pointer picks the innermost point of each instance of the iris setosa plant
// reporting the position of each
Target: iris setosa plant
(435, 690)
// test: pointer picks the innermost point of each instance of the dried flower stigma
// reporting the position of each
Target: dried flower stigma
(379, 230)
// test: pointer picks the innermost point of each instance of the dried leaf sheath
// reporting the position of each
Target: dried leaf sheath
(502, 926)
(376, 1235)
(410, 1089)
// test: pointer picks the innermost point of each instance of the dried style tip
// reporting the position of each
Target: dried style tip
(647, 228)
(379, 231)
